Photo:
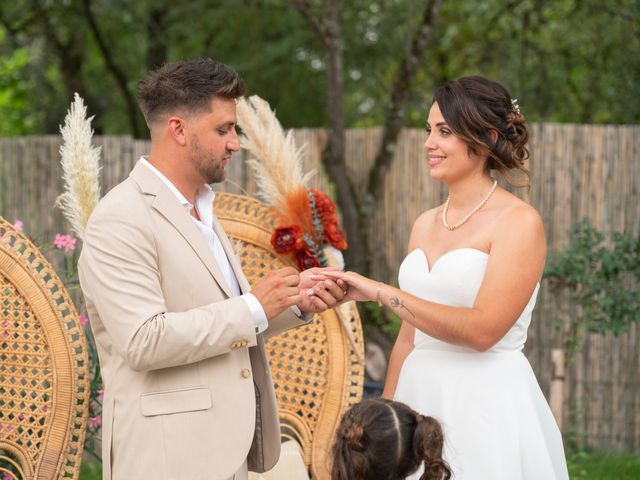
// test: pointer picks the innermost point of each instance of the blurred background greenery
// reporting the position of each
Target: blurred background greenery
(566, 60)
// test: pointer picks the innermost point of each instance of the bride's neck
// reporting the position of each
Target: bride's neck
(467, 192)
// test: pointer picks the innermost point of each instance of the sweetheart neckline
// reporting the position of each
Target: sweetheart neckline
(431, 267)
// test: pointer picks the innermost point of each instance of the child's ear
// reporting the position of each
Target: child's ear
(494, 136)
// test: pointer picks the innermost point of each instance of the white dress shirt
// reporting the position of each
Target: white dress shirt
(204, 206)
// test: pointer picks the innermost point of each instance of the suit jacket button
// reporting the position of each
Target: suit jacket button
(245, 343)
(235, 345)
(245, 373)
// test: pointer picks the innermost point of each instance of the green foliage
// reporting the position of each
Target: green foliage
(384, 319)
(602, 275)
(564, 60)
(16, 116)
(90, 470)
(603, 466)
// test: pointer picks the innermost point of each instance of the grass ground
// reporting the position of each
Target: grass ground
(604, 466)
(582, 466)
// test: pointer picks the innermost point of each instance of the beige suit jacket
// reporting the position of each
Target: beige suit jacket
(188, 392)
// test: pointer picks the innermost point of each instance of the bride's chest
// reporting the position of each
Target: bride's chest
(453, 279)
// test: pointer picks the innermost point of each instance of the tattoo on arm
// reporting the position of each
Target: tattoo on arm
(396, 303)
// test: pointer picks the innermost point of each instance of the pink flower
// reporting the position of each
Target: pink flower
(18, 225)
(7, 476)
(83, 319)
(95, 422)
(64, 242)
(101, 394)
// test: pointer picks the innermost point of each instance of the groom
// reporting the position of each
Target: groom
(188, 392)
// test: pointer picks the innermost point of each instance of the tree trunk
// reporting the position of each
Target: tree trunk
(333, 156)
(394, 121)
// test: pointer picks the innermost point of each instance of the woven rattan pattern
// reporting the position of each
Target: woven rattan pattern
(44, 386)
(316, 374)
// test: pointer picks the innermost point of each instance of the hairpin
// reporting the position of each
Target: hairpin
(515, 106)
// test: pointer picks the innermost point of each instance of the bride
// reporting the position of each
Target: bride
(467, 289)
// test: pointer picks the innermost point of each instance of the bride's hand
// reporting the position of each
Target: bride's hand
(359, 288)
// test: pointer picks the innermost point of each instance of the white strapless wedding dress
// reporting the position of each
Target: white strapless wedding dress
(497, 423)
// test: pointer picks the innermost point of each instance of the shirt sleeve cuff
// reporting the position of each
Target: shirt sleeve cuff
(257, 312)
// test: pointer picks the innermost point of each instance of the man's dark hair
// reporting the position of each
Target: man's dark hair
(186, 86)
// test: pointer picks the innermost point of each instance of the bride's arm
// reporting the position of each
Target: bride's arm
(515, 266)
(402, 347)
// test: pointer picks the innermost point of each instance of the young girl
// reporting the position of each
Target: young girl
(380, 439)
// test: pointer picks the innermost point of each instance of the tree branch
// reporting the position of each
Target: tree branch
(58, 45)
(19, 27)
(119, 76)
(400, 96)
(312, 19)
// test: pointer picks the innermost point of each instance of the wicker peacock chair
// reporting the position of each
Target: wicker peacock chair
(318, 374)
(44, 384)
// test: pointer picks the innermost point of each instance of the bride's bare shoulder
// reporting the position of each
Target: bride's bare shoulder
(427, 217)
(423, 224)
(518, 219)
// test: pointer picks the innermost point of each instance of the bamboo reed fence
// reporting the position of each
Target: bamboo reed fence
(577, 171)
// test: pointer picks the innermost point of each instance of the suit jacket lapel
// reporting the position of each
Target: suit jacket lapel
(231, 255)
(166, 203)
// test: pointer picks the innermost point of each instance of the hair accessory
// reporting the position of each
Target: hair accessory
(515, 106)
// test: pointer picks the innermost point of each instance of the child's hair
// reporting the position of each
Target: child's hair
(380, 439)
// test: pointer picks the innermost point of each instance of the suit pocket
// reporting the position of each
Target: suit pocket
(175, 401)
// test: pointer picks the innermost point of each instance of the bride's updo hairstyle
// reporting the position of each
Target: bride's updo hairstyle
(474, 107)
(380, 439)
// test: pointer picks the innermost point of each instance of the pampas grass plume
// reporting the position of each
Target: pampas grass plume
(276, 161)
(81, 168)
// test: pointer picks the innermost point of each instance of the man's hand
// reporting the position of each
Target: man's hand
(277, 291)
(319, 292)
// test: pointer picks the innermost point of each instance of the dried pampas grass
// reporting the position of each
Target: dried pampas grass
(81, 168)
(275, 159)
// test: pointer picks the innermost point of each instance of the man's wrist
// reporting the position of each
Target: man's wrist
(257, 312)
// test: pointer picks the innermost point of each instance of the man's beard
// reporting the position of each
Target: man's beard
(206, 165)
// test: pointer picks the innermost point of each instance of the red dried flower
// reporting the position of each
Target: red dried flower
(306, 259)
(334, 235)
(324, 205)
(287, 239)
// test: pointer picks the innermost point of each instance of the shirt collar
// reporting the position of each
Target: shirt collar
(204, 195)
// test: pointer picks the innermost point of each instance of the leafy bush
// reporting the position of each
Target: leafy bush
(601, 275)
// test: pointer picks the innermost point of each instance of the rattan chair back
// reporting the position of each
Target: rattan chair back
(317, 374)
(44, 384)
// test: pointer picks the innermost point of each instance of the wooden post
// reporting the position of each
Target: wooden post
(556, 397)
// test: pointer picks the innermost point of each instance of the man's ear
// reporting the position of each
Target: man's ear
(177, 129)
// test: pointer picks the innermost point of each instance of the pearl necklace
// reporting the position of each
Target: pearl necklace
(468, 215)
